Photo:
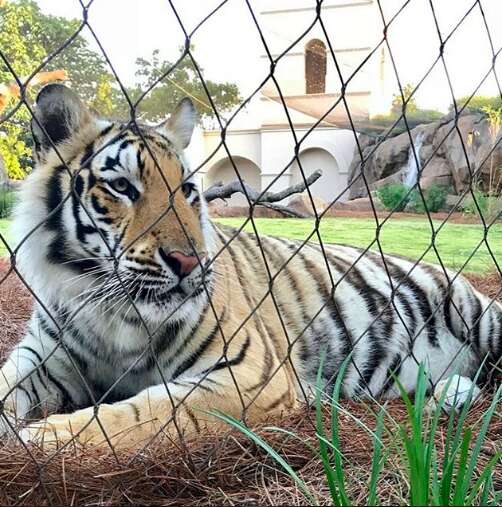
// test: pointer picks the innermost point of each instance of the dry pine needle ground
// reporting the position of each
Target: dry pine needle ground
(214, 469)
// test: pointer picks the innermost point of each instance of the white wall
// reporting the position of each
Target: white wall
(326, 148)
(331, 184)
(354, 28)
(224, 171)
(242, 143)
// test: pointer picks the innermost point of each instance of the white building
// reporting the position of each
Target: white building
(260, 139)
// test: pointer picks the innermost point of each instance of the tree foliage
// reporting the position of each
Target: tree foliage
(173, 82)
(397, 101)
(29, 37)
(478, 103)
(20, 42)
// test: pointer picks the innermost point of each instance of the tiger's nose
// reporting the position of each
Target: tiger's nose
(180, 263)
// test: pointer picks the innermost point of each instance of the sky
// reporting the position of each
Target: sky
(228, 46)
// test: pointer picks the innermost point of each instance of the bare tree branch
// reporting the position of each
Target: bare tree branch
(224, 191)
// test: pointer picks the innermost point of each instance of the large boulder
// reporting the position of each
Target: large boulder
(302, 204)
(359, 204)
(357, 186)
(449, 152)
(436, 172)
(385, 160)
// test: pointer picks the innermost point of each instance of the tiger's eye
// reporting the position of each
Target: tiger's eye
(187, 188)
(120, 185)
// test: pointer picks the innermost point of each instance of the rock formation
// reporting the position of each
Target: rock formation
(440, 152)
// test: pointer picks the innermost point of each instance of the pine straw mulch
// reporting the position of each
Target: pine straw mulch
(213, 469)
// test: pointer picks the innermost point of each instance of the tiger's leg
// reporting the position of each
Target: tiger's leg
(36, 379)
(180, 406)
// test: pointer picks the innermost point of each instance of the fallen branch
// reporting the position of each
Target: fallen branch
(224, 191)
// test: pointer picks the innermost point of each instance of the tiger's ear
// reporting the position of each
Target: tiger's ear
(181, 123)
(60, 114)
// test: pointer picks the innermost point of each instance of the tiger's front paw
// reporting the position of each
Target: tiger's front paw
(58, 430)
(455, 393)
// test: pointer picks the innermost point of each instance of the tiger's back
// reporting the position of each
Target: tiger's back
(390, 312)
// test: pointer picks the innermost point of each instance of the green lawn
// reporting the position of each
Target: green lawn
(4, 232)
(411, 237)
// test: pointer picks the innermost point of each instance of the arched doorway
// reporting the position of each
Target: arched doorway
(315, 67)
(330, 184)
(224, 171)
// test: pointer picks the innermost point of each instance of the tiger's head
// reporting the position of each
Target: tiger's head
(110, 211)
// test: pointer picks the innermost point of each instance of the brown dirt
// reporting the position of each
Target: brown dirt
(222, 211)
(15, 308)
(212, 470)
(456, 218)
(491, 284)
(215, 470)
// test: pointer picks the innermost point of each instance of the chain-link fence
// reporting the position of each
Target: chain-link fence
(148, 318)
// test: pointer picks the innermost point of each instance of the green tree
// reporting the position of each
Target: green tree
(181, 82)
(27, 37)
(397, 101)
(20, 34)
(478, 103)
(103, 97)
(20, 42)
(86, 68)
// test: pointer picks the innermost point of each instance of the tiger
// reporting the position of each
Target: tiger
(150, 319)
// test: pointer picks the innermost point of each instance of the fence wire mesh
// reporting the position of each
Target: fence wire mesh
(244, 328)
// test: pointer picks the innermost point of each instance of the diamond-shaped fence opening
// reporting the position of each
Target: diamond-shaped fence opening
(153, 327)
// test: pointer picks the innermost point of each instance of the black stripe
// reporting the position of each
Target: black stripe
(166, 339)
(192, 359)
(392, 373)
(97, 206)
(285, 396)
(404, 279)
(232, 362)
(139, 160)
(37, 366)
(47, 328)
(110, 164)
(476, 309)
(490, 339)
(335, 312)
(57, 251)
(91, 180)
(136, 411)
(378, 304)
(106, 191)
(316, 327)
(57, 337)
(497, 340)
(86, 160)
(447, 307)
(57, 248)
(106, 130)
(81, 229)
(125, 143)
(67, 398)
(261, 327)
(35, 392)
